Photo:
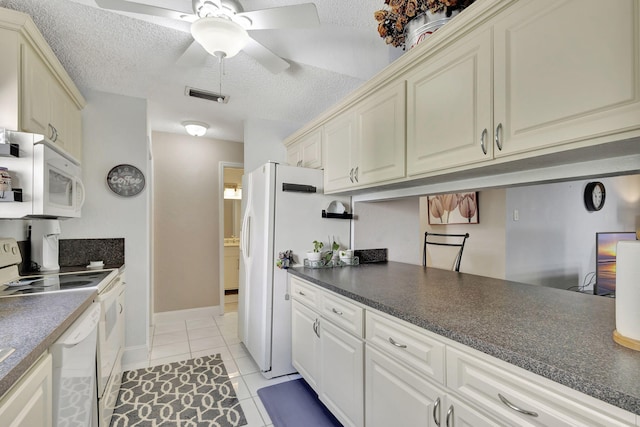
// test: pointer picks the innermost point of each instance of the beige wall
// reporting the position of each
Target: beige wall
(391, 224)
(484, 252)
(186, 219)
(399, 226)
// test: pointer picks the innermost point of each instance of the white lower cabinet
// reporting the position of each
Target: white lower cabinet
(396, 395)
(330, 359)
(341, 374)
(518, 397)
(403, 375)
(29, 403)
(305, 342)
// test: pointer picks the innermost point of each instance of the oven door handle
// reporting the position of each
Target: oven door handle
(114, 289)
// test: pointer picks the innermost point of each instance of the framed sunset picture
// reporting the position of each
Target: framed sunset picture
(453, 208)
(606, 251)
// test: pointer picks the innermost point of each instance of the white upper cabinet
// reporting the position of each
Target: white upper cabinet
(449, 108)
(380, 121)
(365, 144)
(38, 95)
(565, 71)
(339, 137)
(306, 151)
(505, 86)
(536, 77)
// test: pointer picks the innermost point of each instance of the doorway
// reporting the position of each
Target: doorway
(232, 212)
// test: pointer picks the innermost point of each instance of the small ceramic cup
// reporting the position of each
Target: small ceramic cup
(348, 253)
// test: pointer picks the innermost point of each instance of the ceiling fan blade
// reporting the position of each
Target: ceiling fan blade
(127, 6)
(295, 16)
(193, 56)
(265, 57)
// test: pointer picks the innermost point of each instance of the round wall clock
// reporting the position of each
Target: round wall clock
(125, 180)
(594, 196)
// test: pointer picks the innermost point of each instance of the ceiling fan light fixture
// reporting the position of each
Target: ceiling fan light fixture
(195, 128)
(219, 35)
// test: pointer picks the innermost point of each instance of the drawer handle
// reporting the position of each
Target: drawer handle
(436, 412)
(302, 293)
(339, 313)
(515, 408)
(449, 417)
(392, 341)
(482, 139)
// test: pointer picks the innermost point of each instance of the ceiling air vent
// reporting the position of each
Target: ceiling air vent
(204, 94)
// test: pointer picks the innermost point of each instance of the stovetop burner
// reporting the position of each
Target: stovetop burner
(53, 282)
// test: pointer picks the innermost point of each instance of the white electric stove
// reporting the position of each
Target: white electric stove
(110, 336)
(12, 284)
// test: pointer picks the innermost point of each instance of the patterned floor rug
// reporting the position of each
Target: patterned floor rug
(191, 393)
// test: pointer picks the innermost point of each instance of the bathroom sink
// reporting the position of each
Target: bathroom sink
(5, 352)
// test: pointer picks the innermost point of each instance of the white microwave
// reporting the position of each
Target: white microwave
(50, 180)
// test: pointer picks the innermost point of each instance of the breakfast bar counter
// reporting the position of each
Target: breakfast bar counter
(560, 335)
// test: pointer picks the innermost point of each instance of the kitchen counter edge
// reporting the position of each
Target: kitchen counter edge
(38, 342)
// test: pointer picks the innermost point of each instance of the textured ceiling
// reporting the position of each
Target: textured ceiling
(136, 55)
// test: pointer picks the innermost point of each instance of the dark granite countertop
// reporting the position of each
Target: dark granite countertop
(561, 335)
(31, 323)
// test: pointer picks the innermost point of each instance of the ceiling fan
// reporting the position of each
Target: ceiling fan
(220, 26)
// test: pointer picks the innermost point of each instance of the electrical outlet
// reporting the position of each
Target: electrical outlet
(516, 215)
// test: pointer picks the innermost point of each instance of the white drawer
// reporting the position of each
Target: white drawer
(406, 343)
(343, 313)
(482, 380)
(306, 293)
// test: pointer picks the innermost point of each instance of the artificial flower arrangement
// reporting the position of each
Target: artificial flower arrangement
(285, 259)
(392, 21)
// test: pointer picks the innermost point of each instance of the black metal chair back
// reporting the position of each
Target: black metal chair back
(438, 239)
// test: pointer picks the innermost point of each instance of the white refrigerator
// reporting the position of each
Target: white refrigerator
(274, 221)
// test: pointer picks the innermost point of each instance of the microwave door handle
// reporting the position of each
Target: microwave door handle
(82, 193)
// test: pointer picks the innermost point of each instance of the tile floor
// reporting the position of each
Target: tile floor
(185, 339)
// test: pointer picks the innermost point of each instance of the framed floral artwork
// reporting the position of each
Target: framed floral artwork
(453, 208)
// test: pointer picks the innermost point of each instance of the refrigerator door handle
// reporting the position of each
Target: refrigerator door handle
(244, 235)
(247, 238)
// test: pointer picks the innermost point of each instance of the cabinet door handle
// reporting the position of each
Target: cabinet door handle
(436, 412)
(121, 308)
(50, 132)
(299, 163)
(515, 408)
(339, 313)
(392, 341)
(351, 175)
(483, 137)
(497, 136)
(356, 173)
(449, 417)
(316, 327)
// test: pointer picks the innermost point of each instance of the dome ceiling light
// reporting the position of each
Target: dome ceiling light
(195, 128)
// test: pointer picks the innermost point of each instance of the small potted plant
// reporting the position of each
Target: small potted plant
(332, 255)
(316, 254)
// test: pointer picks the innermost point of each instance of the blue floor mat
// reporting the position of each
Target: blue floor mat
(295, 404)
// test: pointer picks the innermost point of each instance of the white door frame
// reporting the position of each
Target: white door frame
(221, 166)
